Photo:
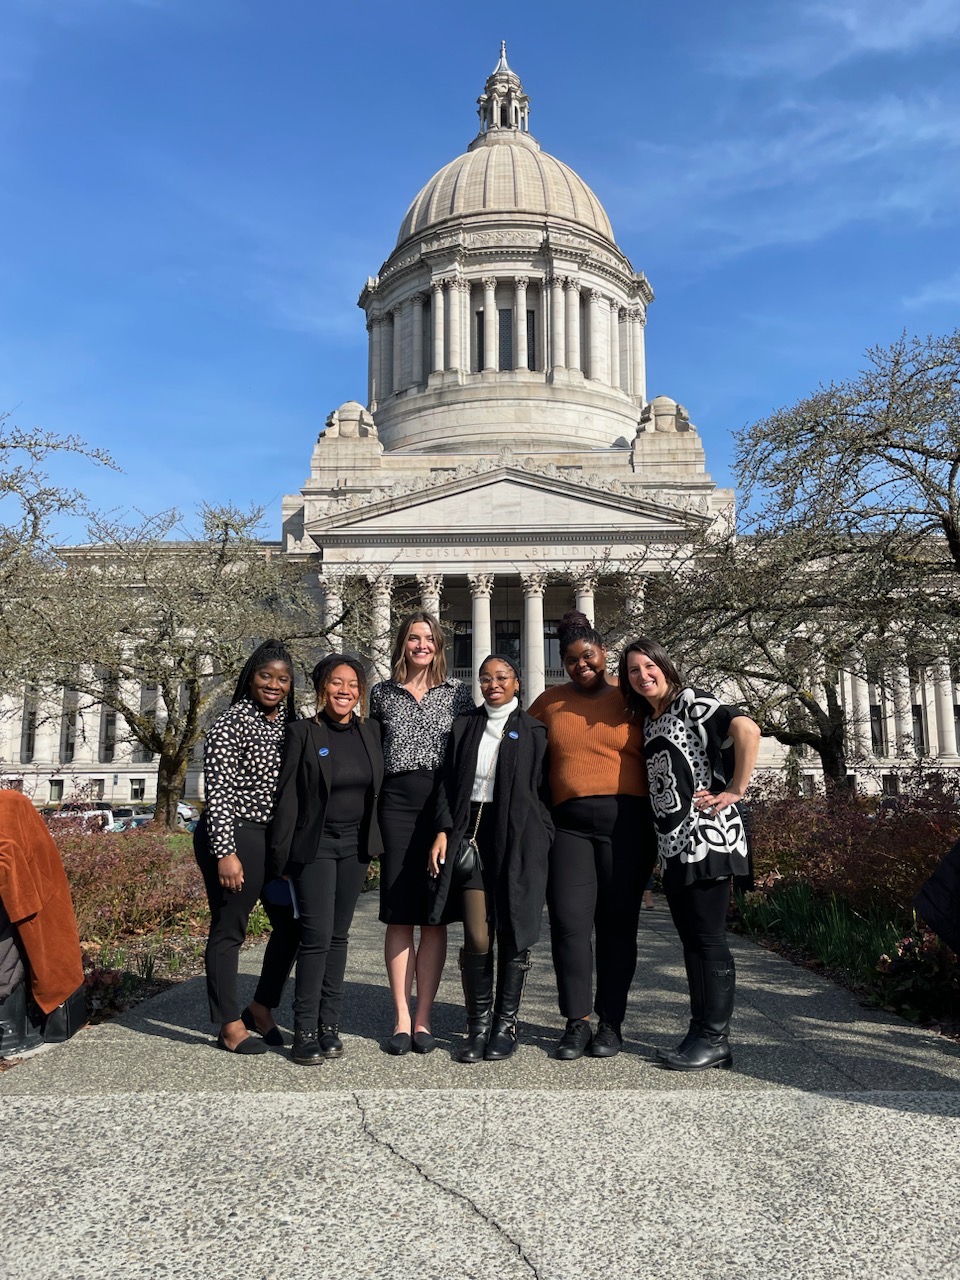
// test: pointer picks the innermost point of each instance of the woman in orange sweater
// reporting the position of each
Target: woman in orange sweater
(605, 844)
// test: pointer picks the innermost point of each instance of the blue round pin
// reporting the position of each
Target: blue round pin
(513, 734)
(324, 751)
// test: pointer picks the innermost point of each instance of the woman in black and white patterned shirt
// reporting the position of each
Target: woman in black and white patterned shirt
(416, 710)
(241, 764)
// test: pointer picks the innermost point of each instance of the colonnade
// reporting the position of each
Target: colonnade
(576, 327)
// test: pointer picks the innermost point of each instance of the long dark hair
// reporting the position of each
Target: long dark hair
(262, 656)
(574, 626)
(637, 705)
(324, 670)
(398, 660)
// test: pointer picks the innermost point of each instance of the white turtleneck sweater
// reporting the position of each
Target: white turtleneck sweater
(489, 747)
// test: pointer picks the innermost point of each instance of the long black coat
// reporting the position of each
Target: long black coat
(303, 788)
(523, 829)
(938, 902)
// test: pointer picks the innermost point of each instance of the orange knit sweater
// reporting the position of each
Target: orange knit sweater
(594, 749)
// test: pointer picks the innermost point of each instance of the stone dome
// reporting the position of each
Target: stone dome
(505, 173)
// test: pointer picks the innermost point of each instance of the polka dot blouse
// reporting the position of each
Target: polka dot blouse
(241, 764)
(415, 733)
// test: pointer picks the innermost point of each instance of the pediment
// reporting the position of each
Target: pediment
(504, 500)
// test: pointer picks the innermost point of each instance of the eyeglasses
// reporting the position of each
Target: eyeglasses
(485, 680)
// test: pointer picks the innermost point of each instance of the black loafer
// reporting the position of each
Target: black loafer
(246, 1048)
(423, 1042)
(575, 1040)
(331, 1046)
(306, 1051)
(271, 1037)
(399, 1044)
(607, 1042)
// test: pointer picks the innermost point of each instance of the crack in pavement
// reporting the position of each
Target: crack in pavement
(450, 1191)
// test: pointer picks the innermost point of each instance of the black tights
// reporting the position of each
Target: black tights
(700, 914)
(476, 927)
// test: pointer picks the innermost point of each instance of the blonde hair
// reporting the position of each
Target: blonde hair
(398, 660)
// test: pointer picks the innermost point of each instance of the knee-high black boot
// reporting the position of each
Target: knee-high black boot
(511, 977)
(476, 974)
(711, 1046)
(691, 960)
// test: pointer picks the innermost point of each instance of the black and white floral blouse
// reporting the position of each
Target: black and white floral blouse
(688, 747)
(241, 764)
(415, 733)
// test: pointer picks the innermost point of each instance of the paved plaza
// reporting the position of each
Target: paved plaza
(138, 1150)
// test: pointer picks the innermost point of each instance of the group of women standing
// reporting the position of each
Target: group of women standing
(478, 815)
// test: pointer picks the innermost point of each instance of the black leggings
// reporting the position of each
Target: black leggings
(229, 913)
(600, 861)
(700, 914)
(327, 890)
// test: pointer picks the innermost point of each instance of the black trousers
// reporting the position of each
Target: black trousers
(600, 861)
(229, 914)
(327, 890)
(699, 912)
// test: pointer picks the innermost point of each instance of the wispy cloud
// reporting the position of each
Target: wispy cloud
(943, 292)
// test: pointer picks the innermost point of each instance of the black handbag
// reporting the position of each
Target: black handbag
(467, 859)
(66, 1019)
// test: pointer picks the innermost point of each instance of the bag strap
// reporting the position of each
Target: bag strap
(486, 781)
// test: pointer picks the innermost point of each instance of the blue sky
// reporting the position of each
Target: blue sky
(196, 190)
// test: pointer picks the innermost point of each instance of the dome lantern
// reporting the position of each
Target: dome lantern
(503, 104)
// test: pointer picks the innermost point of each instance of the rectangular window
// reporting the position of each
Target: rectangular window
(96, 788)
(506, 339)
(138, 788)
(56, 790)
(478, 340)
(531, 340)
(808, 785)
(108, 735)
(890, 783)
(148, 709)
(554, 667)
(919, 730)
(28, 728)
(463, 647)
(507, 639)
(878, 730)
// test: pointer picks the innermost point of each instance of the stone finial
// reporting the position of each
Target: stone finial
(350, 422)
(664, 415)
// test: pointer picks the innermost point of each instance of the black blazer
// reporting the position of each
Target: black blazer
(302, 790)
(522, 826)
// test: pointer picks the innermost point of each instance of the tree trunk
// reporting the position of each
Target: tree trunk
(171, 778)
(833, 760)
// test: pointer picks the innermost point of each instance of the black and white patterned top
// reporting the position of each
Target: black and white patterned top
(241, 764)
(415, 733)
(688, 747)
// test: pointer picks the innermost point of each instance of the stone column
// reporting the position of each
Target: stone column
(614, 344)
(903, 714)
(397, 313)
(585, 589)
(431, 586)
(640, 358)
(573, 324)
(557, 341)
(490, 352)
(481, 589)
(638, 388)
(382, 588)
(386, 357)
(332, 584)
(859, 714)
(453, 348)
(437, 321)
(946, 723)
(534, 666)
(599, 337)
(375, 329)
(520, 353)
(416, 373)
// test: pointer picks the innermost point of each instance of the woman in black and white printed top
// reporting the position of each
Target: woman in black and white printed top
(700, 756)
(241, 764)
(416, 710)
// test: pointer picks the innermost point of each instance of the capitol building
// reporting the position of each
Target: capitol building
(505, 463)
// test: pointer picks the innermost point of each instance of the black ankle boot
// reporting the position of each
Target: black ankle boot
(710, 1047)
(476, 974)
(306, 1051)
(511, 977)
(691, 961)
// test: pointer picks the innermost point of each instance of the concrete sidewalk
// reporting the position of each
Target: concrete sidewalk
(137, 1149)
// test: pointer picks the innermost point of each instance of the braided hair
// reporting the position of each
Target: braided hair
(269, 651)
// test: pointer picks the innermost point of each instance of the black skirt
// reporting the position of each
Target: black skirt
(408, 823)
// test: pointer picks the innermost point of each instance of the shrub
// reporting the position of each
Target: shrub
(920, 978)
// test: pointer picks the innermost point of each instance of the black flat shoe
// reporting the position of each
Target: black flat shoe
(575, 1040)
(271, 1037)
(423, 1042)
(607, 1043)
(246, 1048)
(328, 1038)
(399, 1044)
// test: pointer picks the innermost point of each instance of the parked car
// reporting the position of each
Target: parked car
(132, 822)
(92, 817)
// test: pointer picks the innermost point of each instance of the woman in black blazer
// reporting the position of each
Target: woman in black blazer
(493, 781)
(324, 835)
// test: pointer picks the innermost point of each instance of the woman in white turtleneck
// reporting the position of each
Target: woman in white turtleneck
(493, 783)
